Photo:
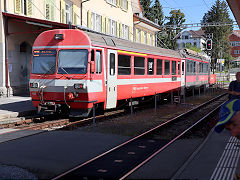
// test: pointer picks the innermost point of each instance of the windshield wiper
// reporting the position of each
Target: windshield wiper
(47, 71)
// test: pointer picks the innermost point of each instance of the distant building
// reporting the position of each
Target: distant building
(194, 38)
(234, 39)
(144, 30)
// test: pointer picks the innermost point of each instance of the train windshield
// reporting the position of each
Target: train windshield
(44, 61)
(72, 61)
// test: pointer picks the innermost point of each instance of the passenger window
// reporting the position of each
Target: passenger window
(178, 67)
(183, 68)
(98, 62)
(174, 68)
(112, 64)
(139, 65)
(159, 67)
(92, 58)
(167, 67)
(150, 66)
(194, 67)
(124, 65)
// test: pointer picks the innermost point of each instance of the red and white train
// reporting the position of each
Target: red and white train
(72, 69)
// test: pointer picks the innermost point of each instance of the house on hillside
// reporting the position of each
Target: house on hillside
(194, 38)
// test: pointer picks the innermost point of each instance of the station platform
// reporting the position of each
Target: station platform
(16, 106)
(47, 154)
(217, 158)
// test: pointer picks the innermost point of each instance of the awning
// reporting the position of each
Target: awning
(44, 24)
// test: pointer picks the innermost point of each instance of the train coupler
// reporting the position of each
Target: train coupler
(51, 108)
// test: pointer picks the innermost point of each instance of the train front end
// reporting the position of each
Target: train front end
(59, 80)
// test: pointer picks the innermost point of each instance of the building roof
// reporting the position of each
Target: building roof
(236, 33)
(197, 34)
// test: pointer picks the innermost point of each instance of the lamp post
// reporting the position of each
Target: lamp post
(82, 9)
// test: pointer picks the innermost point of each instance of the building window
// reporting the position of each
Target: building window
(151, 39)
(236, 51)
(139, 35)
(113, 2)
(185, 37)
(145, 37)
(68, 12)
(113, 28)
(125, 31)
(195, 44)
(96, 22)
(125, 5)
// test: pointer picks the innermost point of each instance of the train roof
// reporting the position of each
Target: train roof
(190, 54)
(105, 40)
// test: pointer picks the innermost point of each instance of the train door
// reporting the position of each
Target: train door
(183, 74)
(111, 79)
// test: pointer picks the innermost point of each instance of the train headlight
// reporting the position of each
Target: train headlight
(78, 86)
(34, 85)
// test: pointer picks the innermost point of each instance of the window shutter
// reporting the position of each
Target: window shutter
(29, 8)
(118, 3)
(89, 19)
(103, 24)
(107, 25)
(126, 4)
(121, 3)
(117, 27)
(142, 37)
(148, 38)
(74, 14)
(62, 11)
(130, 33)
(136, 35)
(18, 6)
(120, 29)
(153, 40)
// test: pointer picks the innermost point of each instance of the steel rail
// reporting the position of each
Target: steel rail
(172, 141)
(137, 137)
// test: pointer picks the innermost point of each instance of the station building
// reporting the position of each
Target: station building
(23, 20)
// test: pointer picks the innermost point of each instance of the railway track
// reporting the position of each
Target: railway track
(51, 123)
(126, 158)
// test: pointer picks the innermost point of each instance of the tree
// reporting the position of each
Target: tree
(221, 47)
(146, 6)
(176, 18)
(194, 48)
(157, 13)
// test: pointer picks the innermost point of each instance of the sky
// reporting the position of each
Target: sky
(194, 10)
